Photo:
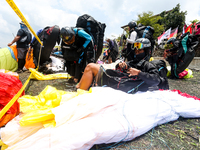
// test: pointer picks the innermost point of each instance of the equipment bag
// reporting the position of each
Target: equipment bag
(95, 29)
(161, 66)
(146, 32)
(49, 36)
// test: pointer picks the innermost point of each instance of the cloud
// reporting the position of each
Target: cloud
(115, 13)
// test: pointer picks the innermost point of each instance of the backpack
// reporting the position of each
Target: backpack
(49, 36)
(161, 66)
(146, 32)
(184, 54)
(95, 29)
(116, 47)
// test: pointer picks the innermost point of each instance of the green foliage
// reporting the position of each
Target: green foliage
(194, 21)
(168, 46)
(147, 19)
(174, 18)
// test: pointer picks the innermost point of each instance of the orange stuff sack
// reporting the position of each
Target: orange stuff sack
(29, 57)
(10, 85)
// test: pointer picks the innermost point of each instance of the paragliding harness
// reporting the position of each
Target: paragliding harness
(95, 29)
(146, 32)
(184, 54)
(161, 66)
(117, 78)
(49, 36)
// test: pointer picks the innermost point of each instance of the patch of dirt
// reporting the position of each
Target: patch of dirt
(182, 134)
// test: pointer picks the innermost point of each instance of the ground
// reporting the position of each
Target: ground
(182, 134)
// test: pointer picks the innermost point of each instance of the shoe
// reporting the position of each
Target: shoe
(19, 70)
(71, 80)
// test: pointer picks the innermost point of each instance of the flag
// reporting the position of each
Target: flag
(165, 35)
(189, 28)
(160, 38)
(173, 33)
(184, 28)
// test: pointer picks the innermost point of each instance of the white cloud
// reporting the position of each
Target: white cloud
(115, 13)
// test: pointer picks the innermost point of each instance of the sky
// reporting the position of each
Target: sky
(114, 13)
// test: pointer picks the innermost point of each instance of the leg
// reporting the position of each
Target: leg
(90, 72)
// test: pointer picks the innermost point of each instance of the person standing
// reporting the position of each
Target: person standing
(129, 54)
(23, 39)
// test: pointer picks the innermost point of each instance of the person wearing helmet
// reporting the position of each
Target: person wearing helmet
(23, 39)
(132, 76)
(130, 40)
(77, 49)
(171, 54)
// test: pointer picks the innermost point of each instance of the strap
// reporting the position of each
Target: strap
(145, 31)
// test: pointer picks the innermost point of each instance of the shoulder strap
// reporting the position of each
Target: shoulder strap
(145, 31)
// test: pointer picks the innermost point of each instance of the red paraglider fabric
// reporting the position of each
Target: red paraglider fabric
(9, 87)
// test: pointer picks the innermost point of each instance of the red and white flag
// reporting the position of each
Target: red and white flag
(165, 35)
(173, 33)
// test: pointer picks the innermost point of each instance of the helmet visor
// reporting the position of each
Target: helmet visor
(138, 45)
(68, 41)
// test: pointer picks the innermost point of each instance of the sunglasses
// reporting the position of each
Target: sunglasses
(138, 45)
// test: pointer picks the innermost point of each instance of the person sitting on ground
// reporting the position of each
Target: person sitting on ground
(23, 39)
(77, 49)
(132, 76)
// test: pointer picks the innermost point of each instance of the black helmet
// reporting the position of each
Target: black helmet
(132, 24)
(143, 43)
(68, 35)
(173, 42)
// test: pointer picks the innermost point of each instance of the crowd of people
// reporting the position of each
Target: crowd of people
(133, 73)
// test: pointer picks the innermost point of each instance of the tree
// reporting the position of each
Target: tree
(147, 19)
(173, 19)
(193, 25)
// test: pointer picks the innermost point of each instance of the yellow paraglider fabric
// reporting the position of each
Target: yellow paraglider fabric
(37, 109)
(39, 76)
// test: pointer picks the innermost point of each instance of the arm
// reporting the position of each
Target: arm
(132, 38)
(38, 32)
(85, 35)
(14, 40)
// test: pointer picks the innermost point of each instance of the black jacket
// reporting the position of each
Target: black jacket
(148, 78)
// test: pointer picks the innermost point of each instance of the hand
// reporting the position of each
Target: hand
(9, 44)
(123, 65)
(133, 72)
